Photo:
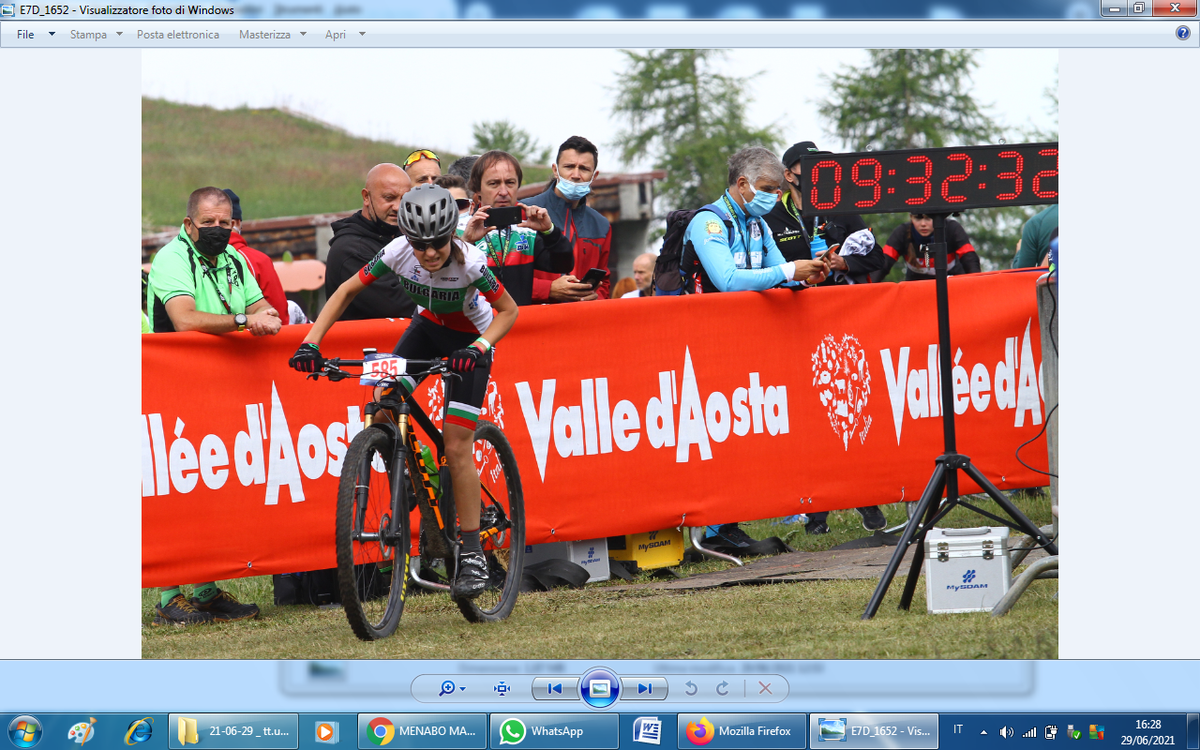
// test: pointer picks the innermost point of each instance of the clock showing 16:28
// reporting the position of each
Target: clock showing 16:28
(931, 180)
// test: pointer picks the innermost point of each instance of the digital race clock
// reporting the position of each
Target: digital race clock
(931, 180)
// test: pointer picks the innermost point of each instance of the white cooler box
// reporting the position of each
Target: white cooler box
(592, 554)
(966, 570)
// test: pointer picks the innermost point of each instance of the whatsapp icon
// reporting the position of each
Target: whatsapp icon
(512, 731)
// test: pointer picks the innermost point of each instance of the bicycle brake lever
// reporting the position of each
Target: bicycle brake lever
(313, 376)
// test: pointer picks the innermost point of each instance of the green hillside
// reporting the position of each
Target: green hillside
(278, 164)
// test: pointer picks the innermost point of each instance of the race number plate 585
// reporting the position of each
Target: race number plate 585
(379, 367)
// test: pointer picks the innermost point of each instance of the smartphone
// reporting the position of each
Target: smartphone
(505, 216)
(594, 276)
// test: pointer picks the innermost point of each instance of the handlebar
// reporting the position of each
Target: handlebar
(332, 369)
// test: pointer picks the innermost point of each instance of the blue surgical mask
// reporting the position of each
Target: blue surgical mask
(573, 191)
(762, 203)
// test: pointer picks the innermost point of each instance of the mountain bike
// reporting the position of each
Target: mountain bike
(387, 472)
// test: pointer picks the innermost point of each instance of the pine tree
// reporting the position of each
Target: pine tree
(907, 98)
(688, 118)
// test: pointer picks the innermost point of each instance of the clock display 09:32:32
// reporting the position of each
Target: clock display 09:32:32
(934, 180)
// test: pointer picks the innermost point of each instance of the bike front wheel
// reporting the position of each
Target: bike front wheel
(372, 539)
(501, 525)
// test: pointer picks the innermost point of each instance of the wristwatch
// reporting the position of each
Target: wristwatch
(240, 321)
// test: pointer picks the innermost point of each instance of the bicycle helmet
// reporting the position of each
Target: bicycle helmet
(427, 213)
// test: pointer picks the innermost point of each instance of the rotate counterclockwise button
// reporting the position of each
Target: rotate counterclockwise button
(599, 688)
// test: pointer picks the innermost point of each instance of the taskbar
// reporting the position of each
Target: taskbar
(575, 727)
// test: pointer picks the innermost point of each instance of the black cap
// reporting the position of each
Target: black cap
(803, 148)
(237, 204)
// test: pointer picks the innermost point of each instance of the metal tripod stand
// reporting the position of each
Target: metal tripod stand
(947, 465)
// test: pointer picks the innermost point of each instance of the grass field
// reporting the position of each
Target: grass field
(807, 620)
(278, 164)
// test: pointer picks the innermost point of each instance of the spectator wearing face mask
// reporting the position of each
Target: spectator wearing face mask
(585, 228)
(359, 238)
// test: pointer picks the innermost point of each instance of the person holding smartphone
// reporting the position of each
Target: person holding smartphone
(462, 312)
(520, 238)
(589, 233)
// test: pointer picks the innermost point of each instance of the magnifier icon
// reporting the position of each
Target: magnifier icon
(447, 688)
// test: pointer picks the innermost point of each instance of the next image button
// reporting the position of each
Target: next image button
(742, 731)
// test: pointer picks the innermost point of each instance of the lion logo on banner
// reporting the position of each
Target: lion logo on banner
(843, 382)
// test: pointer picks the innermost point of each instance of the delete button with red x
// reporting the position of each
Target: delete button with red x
(1175, 8)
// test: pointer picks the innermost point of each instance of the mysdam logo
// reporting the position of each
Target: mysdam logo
(189, 459)
(1015, 386)
(593, 427)
(966, 584)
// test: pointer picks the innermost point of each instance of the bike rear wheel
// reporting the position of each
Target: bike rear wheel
(501, 527)
(372, 560)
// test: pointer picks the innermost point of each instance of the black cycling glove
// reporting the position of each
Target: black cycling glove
(307, 358)
(464, 360)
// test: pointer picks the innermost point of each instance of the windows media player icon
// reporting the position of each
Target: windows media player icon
(327, 732)
(647, 730)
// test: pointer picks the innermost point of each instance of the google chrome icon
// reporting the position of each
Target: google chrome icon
(700, 734)
(380, 731)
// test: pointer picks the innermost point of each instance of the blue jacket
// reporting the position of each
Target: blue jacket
(749, 260)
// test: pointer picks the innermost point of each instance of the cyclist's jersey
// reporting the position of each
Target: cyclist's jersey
(456, 296)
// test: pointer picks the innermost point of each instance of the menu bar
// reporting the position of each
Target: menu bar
(336, 34)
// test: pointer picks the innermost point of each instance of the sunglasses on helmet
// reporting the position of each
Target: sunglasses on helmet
(419, 154)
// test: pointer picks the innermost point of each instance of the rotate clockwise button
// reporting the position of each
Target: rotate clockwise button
(599, 687)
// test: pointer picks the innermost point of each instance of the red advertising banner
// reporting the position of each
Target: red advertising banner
(626, 416)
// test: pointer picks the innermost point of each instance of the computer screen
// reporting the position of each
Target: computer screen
(786, 486)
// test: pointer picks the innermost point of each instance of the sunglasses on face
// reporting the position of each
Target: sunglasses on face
(462, 203)
(421, 247)
(420, 154)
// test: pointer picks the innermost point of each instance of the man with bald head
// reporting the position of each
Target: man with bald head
(643, 275)
(359, 238)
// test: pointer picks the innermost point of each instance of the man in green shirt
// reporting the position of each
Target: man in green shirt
(198, 282)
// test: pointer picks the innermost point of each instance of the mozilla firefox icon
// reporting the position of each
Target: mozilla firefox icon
(700, 734)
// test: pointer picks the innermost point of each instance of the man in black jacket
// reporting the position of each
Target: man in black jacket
(358, 238)
(854, 254)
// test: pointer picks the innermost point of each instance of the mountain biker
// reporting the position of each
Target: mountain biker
(462, 312)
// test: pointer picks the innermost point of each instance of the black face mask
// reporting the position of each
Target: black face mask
(379, 226)
(213, 240)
